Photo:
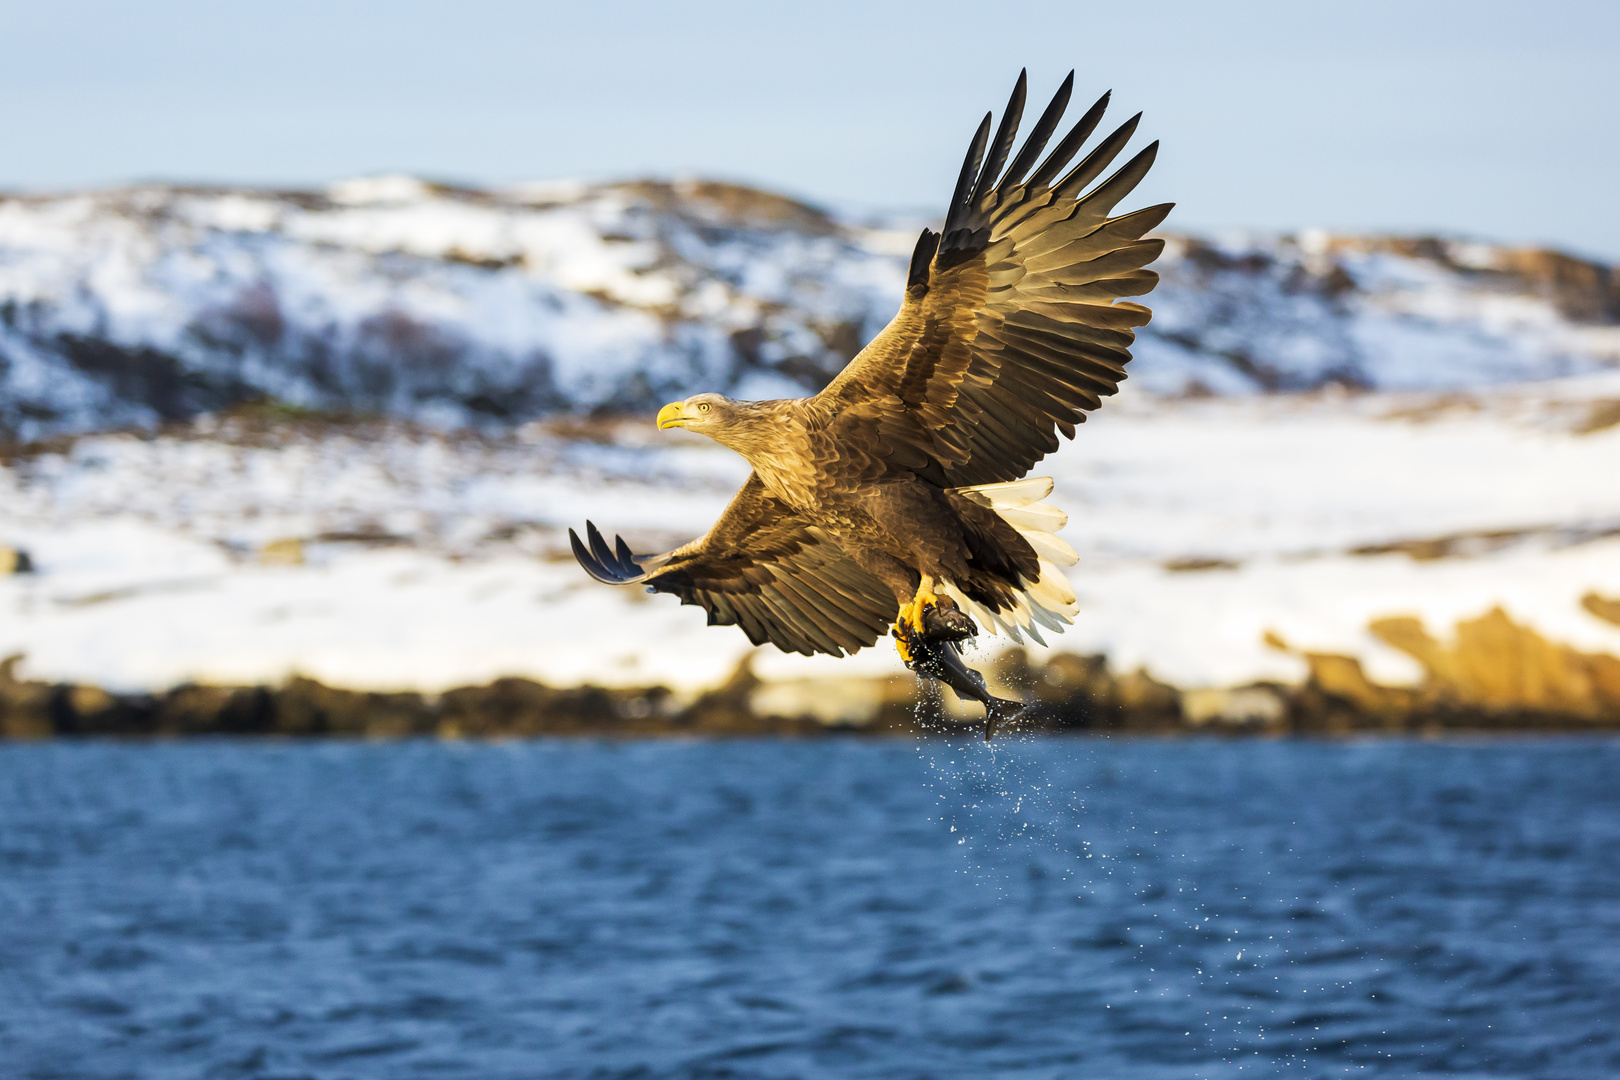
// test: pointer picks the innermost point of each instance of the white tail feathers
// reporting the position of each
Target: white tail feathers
(1010, 495)
(1050, 548)
(1039, 518)
(1049, 601)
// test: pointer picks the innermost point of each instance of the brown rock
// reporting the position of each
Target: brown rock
(1260, 706)
(1500, 666)
(25, 707)
(284, 552)
(92, 711)
(1406, 633)
(1343, 677)
(1603, 608)
(1141, 693)
(191, 709)
(306, 707)
(1600, 416)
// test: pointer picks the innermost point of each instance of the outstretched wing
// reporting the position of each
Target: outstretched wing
(763, 568)
(1010, 330)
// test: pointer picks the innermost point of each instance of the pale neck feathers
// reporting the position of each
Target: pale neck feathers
(757, 429)
(770, 436)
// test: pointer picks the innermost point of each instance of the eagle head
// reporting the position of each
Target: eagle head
(704, 413)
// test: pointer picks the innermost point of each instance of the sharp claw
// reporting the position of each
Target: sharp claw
(593, 566)
(599, 545)
(627, 561)
(580, 553)
(902, 640)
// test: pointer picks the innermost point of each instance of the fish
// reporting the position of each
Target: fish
(935, 656)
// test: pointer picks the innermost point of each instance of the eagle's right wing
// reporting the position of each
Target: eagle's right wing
(763, 568)
(1013, 325)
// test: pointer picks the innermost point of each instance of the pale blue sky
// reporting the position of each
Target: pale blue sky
(1485, 118)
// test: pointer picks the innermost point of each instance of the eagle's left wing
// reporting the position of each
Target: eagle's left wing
(1010, 331)
(763, 568)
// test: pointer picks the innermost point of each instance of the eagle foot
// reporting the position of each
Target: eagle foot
(930, 619)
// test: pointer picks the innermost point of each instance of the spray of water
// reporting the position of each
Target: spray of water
(1017, 806)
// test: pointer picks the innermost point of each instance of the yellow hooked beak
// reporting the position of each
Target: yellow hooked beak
(670, 416)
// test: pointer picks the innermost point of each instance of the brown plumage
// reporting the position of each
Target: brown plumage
(904, 473)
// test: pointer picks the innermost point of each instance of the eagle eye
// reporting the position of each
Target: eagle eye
(703, 406)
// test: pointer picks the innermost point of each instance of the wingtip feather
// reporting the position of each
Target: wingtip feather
(1002, 145)
(1040, 134)
(921, 256)
(1070, 144)
(970, 170)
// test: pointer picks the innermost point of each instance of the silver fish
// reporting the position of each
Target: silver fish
(941, 660)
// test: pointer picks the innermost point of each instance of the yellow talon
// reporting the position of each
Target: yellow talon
(911, 615)
(925, 599)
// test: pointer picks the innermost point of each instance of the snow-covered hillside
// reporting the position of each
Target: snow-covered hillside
(458, 307)
(1389, 313)
(396, 297)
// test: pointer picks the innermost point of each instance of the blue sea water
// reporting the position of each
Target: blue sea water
(1039, 908)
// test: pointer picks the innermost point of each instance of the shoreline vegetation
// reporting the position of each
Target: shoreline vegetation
(1498, 677)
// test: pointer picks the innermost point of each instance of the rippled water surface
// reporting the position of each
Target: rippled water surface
(1046, 908)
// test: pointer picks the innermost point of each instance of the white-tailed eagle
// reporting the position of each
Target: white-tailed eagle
(897, 495)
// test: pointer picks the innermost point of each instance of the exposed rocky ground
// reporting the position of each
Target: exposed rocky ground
(1499, 677)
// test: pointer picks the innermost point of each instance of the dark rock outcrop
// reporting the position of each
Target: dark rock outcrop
(1497, 677)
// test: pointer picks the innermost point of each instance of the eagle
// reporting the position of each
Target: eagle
(896, 500)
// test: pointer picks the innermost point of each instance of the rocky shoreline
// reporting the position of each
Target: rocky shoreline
(1499, 677)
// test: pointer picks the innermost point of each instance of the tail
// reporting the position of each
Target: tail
(1048, 600)
(998, 713)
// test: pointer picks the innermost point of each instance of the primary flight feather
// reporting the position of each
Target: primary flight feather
(904, 480)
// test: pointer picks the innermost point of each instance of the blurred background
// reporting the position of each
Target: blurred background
(320, 323)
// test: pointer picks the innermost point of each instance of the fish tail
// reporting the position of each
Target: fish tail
(998, 713)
